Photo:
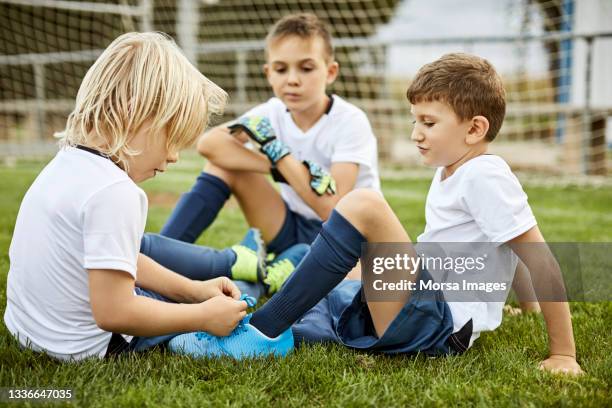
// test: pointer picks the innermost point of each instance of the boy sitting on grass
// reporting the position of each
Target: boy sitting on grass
(77, 285)
(318, 146)
(459, 105)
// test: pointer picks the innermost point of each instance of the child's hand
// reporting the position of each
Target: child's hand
(260, 130)
(238, 134)
(215, 287)
(321, 181)
(222, 314)
(557, 364)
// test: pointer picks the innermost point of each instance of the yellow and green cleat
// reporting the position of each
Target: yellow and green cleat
(250, 264)
(279, 270)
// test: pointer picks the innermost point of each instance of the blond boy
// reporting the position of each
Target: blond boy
(77, 286)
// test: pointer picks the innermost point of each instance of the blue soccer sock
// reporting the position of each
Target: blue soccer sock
(192, 261)
(332, 255)
(197, 209)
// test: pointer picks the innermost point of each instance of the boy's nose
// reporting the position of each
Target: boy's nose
(173, 157)
(293, 78)
(416, 136)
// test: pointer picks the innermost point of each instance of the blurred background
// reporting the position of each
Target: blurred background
(555, 57)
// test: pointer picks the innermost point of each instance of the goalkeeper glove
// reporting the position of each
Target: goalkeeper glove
(321, 181)
(260, 130)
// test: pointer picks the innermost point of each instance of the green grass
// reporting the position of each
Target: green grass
(499, 370)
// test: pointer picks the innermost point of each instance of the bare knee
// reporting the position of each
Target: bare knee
(228, 176)
(360, 200)
(361, 207)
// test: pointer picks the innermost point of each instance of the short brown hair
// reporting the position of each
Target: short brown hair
(303, 25)
(469, 84)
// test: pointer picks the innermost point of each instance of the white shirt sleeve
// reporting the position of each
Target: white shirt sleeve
(495, 199)
(355, 142)
(113, 224)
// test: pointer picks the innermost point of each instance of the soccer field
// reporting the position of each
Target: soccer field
(500, 370)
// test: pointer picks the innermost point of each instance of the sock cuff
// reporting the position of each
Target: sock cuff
(207, 180)
(341, 234)
(223, 266)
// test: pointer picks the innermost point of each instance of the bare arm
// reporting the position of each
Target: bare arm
(298, 177)
(117, 309)
(227, 151)
(556, 314)
(523, 288)
(167, 283)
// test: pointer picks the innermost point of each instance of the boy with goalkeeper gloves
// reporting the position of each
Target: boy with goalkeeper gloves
(318, 147)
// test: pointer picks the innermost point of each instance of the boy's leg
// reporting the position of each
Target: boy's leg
(197, 209)
(261, 204)
(362, 215)
(375, 219)
(194, 261)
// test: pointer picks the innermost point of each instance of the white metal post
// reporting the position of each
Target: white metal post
(187, 28)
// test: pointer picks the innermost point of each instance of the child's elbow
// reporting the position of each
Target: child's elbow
(109, 321)
(105, 323)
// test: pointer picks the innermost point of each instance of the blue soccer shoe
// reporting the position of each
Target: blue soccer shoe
(244, 342)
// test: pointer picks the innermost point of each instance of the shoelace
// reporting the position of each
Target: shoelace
(250, 301)
(278, 273)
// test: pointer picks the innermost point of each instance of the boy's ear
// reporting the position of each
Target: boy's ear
(478, 130)
(266, 71)
(332, 72)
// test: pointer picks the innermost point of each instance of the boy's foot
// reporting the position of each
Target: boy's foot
(250, 264)
(244, 342)
(280, 268)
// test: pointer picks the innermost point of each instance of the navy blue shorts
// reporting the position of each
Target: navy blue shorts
(424, 326)
(296, 229)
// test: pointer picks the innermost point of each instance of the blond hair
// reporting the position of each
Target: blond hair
(469, 84)
(141, 77)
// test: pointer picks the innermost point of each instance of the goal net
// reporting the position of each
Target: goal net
(553, 56)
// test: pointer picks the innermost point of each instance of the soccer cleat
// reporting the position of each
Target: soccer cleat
(280, 268)
(250, 264)
(245, 341)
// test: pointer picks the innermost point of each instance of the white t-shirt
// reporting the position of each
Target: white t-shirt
(82, 212)
(343, 134)
(482, 201)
